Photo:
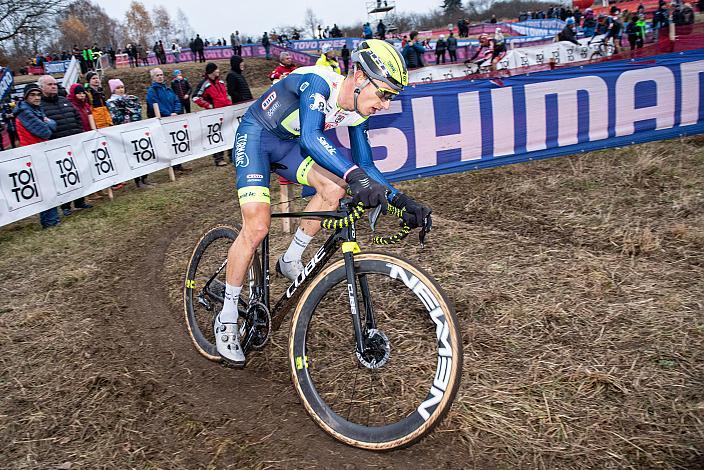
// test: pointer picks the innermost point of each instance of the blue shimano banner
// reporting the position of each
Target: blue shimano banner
(455, 126)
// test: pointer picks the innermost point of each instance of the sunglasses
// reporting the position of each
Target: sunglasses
(382, 93)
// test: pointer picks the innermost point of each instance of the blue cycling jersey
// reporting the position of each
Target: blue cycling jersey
(297, 110)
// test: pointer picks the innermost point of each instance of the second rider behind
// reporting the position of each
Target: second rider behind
(285, 126)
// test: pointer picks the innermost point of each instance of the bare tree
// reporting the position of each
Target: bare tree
(163, 27)
(311, 21)
(18, 17)
(183, 29)
(99, 27)
(139, 23)
(74, 32)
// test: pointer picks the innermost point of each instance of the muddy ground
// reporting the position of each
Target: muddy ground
(578, 283)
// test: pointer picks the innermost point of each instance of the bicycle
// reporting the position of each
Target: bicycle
(405, 340)
(601, 49)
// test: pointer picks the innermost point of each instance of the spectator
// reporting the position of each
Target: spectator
(165, 100)
(143, 55)
(462, 28)
(327, 59)
(211, 93)
(33, 126)
(156, 52)
(493, 19)
(237, 86)
(111, 57)
(381, 30)
(78, 98)
(266, 44)
(568, 33)
(87, 55)
(687, 14)
(367, 31)
(452, 47)
(236, 43)
(632, 33)
(413, 52)
(126, 108)
(123, 107)
(68, 122)
(577, 17)
(157, 93)
(182, 88)
(345, 53)
(96, 98)
(131, 51)
(9, 118)
(661, 19)
(440, 48)
(589, 23)
(198, 49)
(285, 67)
(176, 52)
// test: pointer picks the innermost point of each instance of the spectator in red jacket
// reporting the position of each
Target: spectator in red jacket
(285, 67)
(33, 126)
(212, 93)
(78, 98)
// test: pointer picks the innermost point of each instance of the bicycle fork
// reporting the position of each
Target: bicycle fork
(355, 311)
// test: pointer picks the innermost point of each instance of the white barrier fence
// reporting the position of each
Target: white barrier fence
(563, 52)
(45, 175)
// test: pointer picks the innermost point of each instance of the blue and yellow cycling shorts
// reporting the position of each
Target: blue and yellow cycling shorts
(254, 152)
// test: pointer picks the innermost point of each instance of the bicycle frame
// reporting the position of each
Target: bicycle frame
(293, 293)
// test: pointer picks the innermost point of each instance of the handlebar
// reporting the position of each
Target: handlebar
(356, 213)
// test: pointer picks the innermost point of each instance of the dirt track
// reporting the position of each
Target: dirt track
(577, 282)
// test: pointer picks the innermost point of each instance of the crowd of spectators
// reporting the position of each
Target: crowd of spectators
(619, 25)
(48, 111)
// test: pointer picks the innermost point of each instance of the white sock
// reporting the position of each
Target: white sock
(298, 245)
(229, 312)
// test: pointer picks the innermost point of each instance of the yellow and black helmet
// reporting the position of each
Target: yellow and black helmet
(381, 61)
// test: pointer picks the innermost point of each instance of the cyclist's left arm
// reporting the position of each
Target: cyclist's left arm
(413, 213)
(362, 155)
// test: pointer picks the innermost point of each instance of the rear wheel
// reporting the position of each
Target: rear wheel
(204, 288)
(404, 382)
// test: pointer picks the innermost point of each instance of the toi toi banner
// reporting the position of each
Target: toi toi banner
(44, 175)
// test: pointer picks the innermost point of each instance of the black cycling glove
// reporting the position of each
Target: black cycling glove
(413, 213)
(366, 190)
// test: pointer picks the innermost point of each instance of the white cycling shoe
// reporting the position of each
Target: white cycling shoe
(290, 269)
(227, 342)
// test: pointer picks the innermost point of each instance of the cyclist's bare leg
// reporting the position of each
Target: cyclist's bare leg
(329, 189)
(256, 219)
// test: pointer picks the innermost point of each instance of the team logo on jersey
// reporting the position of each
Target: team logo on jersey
(319, 103)
(331, 150)
(303, 86)
(241, 158)
(268, 100)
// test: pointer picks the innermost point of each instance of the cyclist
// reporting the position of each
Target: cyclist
(485, 50)
(283, 129)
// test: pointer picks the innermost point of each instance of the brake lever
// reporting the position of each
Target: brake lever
(374, 217)
(427, 227)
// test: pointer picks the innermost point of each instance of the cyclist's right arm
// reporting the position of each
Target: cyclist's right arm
(312, 106)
